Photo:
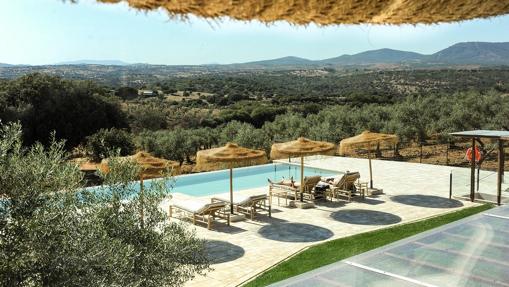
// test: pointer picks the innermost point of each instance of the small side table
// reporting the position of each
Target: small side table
(362, 187)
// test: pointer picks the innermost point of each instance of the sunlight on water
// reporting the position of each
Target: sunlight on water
(243, 178)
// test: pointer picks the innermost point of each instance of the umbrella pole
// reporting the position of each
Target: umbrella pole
(370, 170)
(231, 189)
(141, 203)
(301, 178)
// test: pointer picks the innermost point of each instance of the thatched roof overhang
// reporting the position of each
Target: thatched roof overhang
(328, 12)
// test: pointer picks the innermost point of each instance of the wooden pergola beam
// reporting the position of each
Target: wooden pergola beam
(472, 172)
(500, 170)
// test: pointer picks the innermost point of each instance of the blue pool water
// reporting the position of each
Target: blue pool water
(216, 182)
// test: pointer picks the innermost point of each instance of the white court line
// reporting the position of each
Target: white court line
(404, 278)
(497, 216)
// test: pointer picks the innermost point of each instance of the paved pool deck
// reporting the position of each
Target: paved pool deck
(243, 250)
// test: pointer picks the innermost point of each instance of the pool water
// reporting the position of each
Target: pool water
(215, 182)
(209, 183)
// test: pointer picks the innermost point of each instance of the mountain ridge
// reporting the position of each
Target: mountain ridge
(460, 53)
(94, 62)
(463, 53)
(378, 56)
(474, 52)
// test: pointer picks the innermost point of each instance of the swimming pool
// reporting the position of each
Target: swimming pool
(215, 182)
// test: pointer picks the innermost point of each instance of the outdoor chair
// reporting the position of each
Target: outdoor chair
(199, 211)
(310, 183)
(344, 186)
(246, 204)
(285, 189)
(282, 189)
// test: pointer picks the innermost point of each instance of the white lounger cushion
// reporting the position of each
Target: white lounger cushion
(194, 206)
(239, 199)
(332, 178)
(335, 179)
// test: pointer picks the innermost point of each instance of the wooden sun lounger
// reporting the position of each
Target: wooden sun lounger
(345, 186)
(285, 190)
(281, 190)
(309, 186)
(246, 204)
(200, 211)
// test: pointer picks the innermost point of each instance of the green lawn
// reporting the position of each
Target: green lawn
(335, 250)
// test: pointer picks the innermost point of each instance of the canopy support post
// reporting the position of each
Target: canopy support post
(231, 189)
(370, 170)
(302, 179)
(142, 215)
(500, 178)
(472, 172)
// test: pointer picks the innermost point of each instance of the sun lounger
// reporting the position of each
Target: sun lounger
(200, 211)
(282, 189)
(245, 203)
(287, 189)
(309, 187)
(344, 186)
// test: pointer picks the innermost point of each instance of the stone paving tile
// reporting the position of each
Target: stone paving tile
(246, 248)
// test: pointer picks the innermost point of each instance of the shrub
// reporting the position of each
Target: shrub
(56, 234)
(73, 109)
(149, 117)
(105, 141)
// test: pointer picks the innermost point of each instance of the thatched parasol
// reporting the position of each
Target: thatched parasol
(367, 140)
(326, 12)
(151, 166)
(302, 147)
(232, 154)
(203, 162)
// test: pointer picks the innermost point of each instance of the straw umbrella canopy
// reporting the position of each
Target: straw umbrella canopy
(303, 147)
(204, 164)
(150, 167)
(367, 140)
(327, 12)
(231, 154)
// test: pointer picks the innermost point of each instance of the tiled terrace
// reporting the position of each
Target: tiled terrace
(243, 250)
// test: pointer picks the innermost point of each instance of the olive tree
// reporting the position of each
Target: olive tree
(54, 233)
(245, 135)
(100, 144)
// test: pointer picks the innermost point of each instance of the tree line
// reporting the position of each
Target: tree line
(83, 113)
(417, 119)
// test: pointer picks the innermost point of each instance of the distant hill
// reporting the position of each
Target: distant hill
(478, 53)
(482, 53)
(290, 60)
(461, 55)
(381, 56)
(95, 62)
(466, 53)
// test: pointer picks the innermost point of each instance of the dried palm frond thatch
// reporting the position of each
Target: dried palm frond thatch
(326, 12)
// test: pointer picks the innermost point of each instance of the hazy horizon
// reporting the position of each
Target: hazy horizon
(42, 32)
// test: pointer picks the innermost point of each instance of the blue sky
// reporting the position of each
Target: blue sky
(50, 31)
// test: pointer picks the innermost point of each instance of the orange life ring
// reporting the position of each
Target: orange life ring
(477, 154)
